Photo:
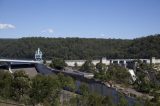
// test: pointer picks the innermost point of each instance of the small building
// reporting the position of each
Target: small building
(38, 55)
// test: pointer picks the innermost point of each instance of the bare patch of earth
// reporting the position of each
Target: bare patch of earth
(30, 71)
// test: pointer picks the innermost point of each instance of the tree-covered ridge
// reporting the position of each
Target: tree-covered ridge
(81, 48)
(145, 47)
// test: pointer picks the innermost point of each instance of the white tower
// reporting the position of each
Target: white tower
(38, 55)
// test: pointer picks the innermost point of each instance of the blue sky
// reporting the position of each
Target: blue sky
(124, 19)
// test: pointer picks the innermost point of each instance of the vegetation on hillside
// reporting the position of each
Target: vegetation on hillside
(103, 72)
(81, 48)
(31, 91)
(147, 78)
(46, 90)
(118, 74)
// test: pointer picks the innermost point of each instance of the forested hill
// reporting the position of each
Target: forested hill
(81, 48)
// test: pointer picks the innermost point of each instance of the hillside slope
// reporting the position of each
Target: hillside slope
(81, 48)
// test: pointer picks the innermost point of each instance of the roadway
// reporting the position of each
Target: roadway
(19, 61)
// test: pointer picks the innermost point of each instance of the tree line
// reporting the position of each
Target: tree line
(81, 48)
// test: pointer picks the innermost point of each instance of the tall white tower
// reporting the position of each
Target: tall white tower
(38, 55)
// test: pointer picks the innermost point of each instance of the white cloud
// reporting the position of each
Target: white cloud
(6, 26)
(49, 30)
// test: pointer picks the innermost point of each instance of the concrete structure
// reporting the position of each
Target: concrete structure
(38, 55)
(155, 61)
(127, 63)
(73, 62)
(38, 59)
(19, 61)
(123, 62)
(11, 61)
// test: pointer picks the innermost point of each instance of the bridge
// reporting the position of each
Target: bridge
(38, 60)
(19, 61)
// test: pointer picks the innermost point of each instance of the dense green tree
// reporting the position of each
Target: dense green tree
(20, 85)
(66, 81)
(58, 63)
(88, 66)
(45, 89)
(119, 74)
(143, 82)
(5, 84)
(102, 68)
(112, 72)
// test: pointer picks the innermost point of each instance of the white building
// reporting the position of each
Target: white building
(38, 55)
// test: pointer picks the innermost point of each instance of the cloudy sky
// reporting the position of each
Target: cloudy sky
(79, 18)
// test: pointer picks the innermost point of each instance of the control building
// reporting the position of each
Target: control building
(38, 55)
